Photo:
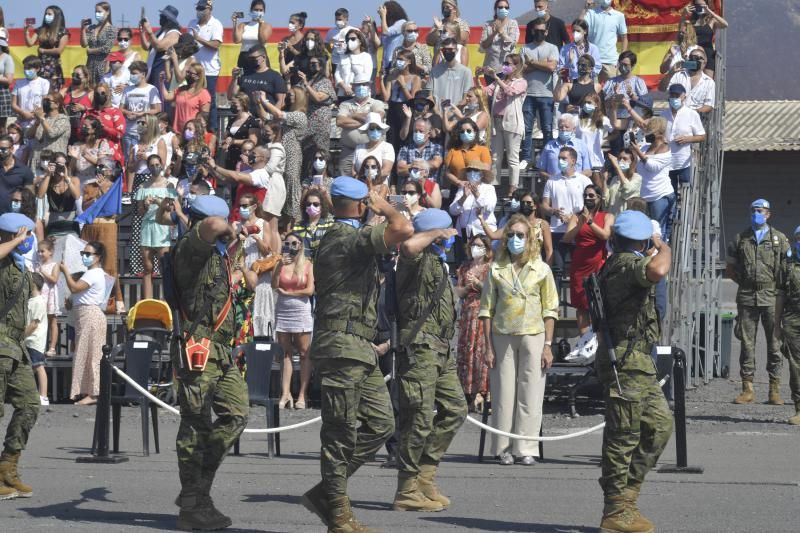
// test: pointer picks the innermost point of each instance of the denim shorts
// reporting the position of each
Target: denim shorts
(37, 358)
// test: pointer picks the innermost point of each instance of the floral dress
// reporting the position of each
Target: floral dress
(295, 130)
(51, 65)
(96, 63)
(319, 115)
(473, 372)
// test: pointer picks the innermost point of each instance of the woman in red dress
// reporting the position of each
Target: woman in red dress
(589, 230)
(111, 119)
(473, 372)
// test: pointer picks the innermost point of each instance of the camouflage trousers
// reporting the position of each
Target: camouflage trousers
(428, 381)
(747, 328)
(638, 427)
(201, 443)
(18, 388)
(357, 419)
(791, 348)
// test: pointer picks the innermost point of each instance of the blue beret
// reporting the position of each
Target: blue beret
(633, 225)
(349, 188)
(431, 218)
(760, 203)
(207, 205)
(12, 222)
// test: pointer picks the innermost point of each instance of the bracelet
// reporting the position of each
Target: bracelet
(548, 343)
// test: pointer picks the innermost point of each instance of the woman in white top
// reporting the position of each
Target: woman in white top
(356, 63)
(654, 166)
(593, 127)
(376, 146)
(171, 140)
(89, 297)
(249, 34)
(474, 199)
(623, 182)
(255, 246)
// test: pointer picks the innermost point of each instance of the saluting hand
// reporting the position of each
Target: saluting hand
(378, 204)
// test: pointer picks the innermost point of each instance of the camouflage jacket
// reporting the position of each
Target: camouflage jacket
(12, 325)
(758, 266)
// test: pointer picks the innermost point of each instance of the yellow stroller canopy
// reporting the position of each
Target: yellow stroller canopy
(147, 311)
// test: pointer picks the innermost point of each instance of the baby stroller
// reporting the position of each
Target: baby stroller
(150, 325)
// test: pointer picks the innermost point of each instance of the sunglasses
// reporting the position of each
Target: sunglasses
(141, 123)
(123, 40)
(292, 244)
(245, 205)
(371, 167)
(696, 58)
(517, 234)
(102, 94)
(315, 204)
(87, 254)
(507, 64)
(375, 128)
(352, 39)
(528, 203)
(410, 193)
(466, 131)
(590, 196)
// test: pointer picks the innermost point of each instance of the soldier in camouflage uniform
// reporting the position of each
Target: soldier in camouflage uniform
(787, 321)
(17, 385)
(356, 410)
(202, 285)
(756, 260)
(427, 368)
(638, 421)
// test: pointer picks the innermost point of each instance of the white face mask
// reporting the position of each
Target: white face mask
(372, 173)
(477, 251)
(292, 27)
(310, 44)
(341, 24)
(578, 36)
(353, 45)
(124, 45)
(411, 198)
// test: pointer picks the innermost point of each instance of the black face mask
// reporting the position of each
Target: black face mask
(190, 79)
(449, 55)
(76, 80)
(100, 99)
(446, 12)
(650, 138)
(163, 21)
(539, 35)
(4, 153)
(314, 68)
(251, 158)
(85, 132)
(526, 210)
(590, 204)
(681, 36)
(155, 170)
(47, 106)
(420, 108)
(584, 69)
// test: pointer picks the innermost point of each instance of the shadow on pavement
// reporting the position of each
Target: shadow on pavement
(70, 511)
(743, 420)
(500, 525)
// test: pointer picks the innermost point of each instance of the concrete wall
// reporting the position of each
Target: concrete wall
(774, 176)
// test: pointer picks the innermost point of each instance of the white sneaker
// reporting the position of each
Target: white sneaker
(43, 400)
(523, 165)
(575, 356)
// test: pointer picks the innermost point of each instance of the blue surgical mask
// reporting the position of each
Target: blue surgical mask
(136, 78)
(624, 166)
(411, 36)
(502, 12)
(759, 219)
(361, 91)
(99, 16)
(30, 73)
(675, 103)
(563, 164)
(48, 19)
(589, 108)
(374, 135)
(27, 245)
(419, 138)
(565, 136)
(400, 64)
(516, 245)
(320, 164)
(414, 174)
(466, 137)
(190, 199)
(244, 213)
(87, 260)
(474, 176)
(514, 205)
(541, 13)
(16, 206)
(256, 15)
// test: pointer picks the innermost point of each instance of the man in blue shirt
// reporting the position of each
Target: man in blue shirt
(606, 27)
(548, 159)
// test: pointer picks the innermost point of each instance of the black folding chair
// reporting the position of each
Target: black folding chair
(259, 356)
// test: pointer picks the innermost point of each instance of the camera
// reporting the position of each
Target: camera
(238, 14)
(86, 22)
(691, 65)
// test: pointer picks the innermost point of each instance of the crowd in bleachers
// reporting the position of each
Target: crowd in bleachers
(554, 129)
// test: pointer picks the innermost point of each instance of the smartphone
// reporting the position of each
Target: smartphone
(238, 14)
(142, 15)
(396, 199)
(86, 22)
(445, 104)
(690, 65)
(564, 75)
(30, 21)
(626, 139)
(316, 181)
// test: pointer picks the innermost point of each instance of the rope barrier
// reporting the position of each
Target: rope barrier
(580, 433)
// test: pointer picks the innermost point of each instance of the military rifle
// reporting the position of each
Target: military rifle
(597, 311)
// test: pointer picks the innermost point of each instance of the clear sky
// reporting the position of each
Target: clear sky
(320, 12)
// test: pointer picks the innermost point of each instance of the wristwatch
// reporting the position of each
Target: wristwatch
(589, 222)
(548, 343)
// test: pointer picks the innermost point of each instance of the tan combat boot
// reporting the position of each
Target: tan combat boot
(427, 485)
(747, 395)
(631, 497)
(198, 512)
(795, 420)
(316, 501)
(775, 392)
(341, 519)
(8, 475)
(7, 493)
(619, 518)
(409, 498)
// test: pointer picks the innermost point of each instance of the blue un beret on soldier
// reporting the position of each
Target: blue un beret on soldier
(760, 203)
(431, 219)
(633, 225)
(11, 222)
(209, 206)
(349, 188)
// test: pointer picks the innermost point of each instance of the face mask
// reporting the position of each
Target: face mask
(502, 12)
(605, 3)
(539, 35)
(446, 12)
(244, 213)
(341, 24)
(256, 15)
(411, 36)
(136, 78)
(507, 69)
(353, 45)
(563, 165)
(26, 246)
(400, 64)
(190, 198)
(190, 79)
(188, 135)
(361, 91)
(514, 205)
(191, 171)
(516, 245)
(310, 45)
(759, 219)
(590, 204)
(589, 108)
(155, 170)
(374, 135)
(100, 99)
(584, 69)
(474, 176)
(624, 166)
(681, 36)
(4, 153)
(675, 103)
(314, 68)
(372, 173)
(415, 174)
(411, 198)
(419, 138)
(16, 206)
(449, 55)
(76, 80)
(477, 252)
(99, 16)
(466, 137)
(292, 27)
(87, 260)
(30, 73)
(48, 19)
(251, 159)
(541, 13)
(320, 165)
(313, 211)
(577, 36)
(650, 138)
(624, 69)
(115, 67)
(565, 136)
(419, 108)
(526, 210)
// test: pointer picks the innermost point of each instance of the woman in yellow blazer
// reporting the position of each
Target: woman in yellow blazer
(519, 307)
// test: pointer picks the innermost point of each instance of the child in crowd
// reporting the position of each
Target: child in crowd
(28, 93)
(36, 334)
(49, 272)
